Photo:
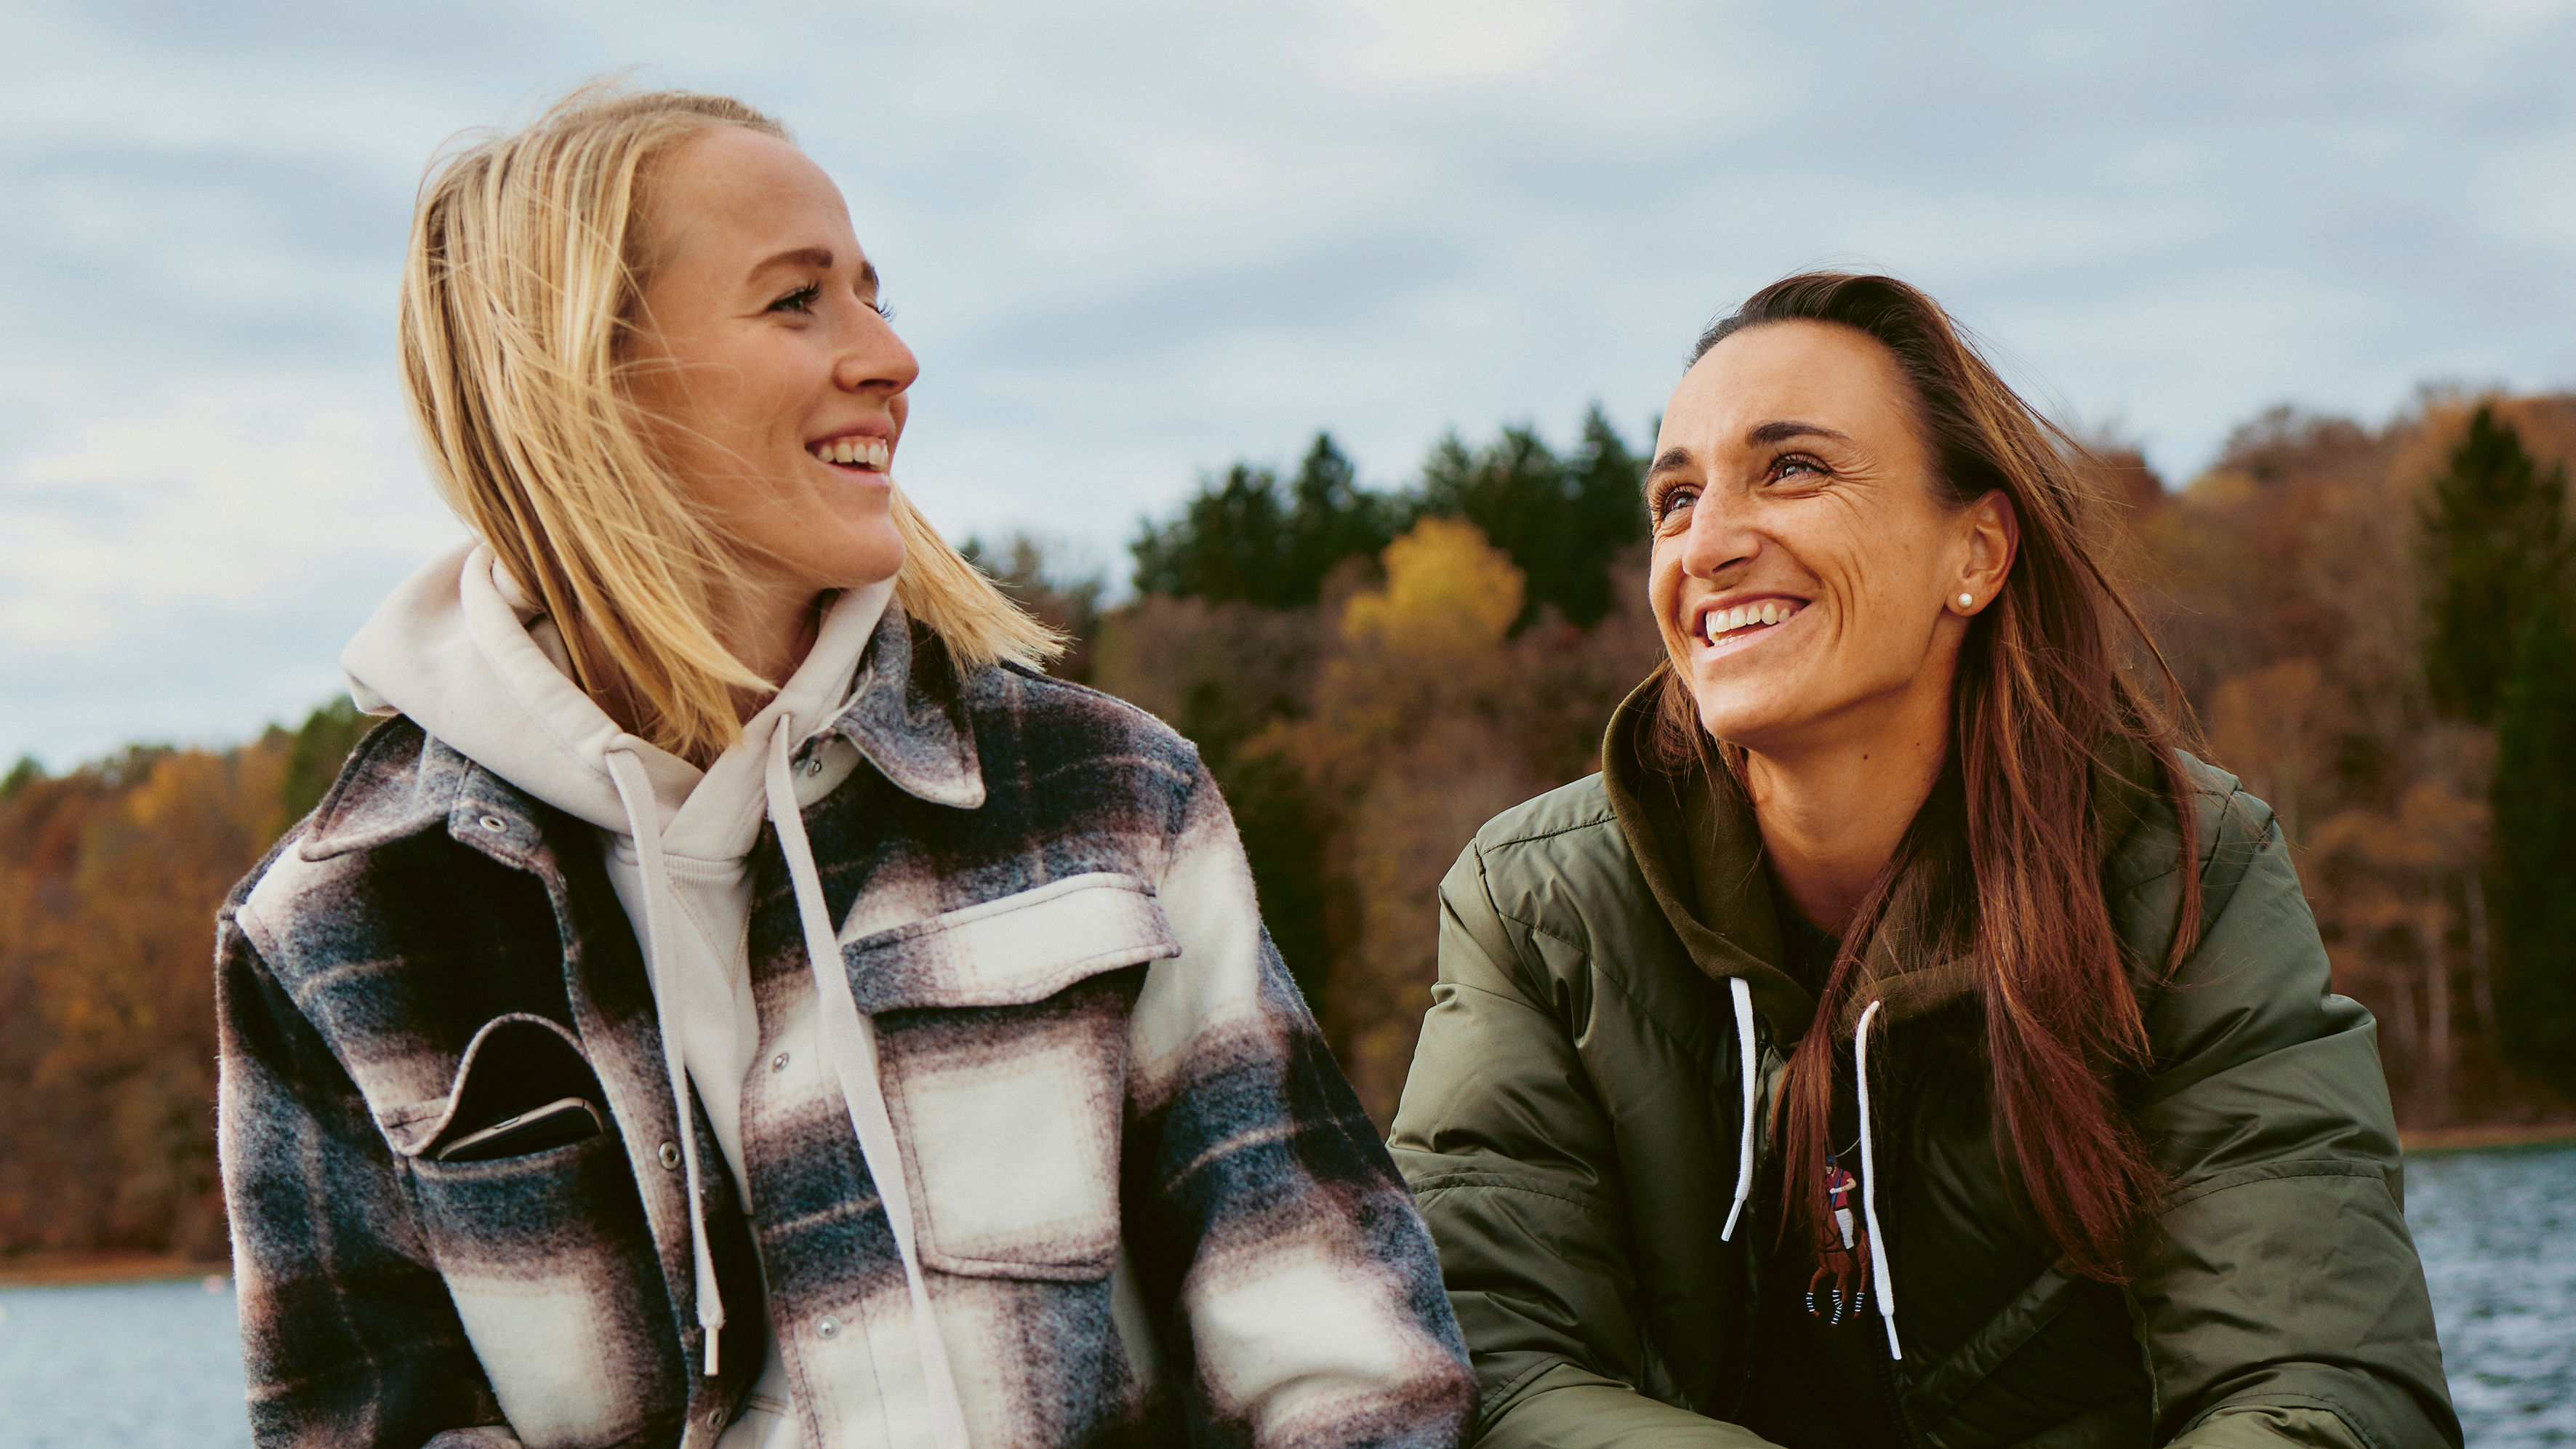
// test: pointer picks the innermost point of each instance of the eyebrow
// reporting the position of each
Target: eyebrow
(820, 259)
(1787, 428)
(1760, 435)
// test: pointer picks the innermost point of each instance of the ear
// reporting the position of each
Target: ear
(1993, 535)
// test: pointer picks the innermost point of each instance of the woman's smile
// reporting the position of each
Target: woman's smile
(1730, 624)
(855, 452)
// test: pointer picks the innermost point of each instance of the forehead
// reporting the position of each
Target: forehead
(1821, 372)
(736, 189)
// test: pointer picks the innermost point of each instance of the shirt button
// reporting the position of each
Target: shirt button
(716, 1417)
(828, 1326)
(492, 822)
(670, 1154)
(778, 1063)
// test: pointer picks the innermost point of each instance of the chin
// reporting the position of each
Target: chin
(1746, 717)
(867, 553)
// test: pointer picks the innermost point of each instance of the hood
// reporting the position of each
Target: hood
(464, 653)
(1700, 851)
(1696, 843)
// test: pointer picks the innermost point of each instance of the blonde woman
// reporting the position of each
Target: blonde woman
(738, 999)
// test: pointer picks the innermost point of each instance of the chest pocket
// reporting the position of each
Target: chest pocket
(1002, 1036)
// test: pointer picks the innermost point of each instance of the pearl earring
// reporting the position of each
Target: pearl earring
(1967, 601)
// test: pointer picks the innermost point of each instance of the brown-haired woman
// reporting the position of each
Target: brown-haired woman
(1903, 1040)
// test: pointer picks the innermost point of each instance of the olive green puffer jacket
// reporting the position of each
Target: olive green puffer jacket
(1571, 1127)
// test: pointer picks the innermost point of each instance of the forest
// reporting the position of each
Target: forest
(2375, 627)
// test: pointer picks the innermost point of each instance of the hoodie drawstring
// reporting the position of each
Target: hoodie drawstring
(645, 819)
(853, 1041)
(1744, 1051)
(1881, 1279)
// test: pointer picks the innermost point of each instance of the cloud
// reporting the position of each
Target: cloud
(219, 552)
(1134, 240)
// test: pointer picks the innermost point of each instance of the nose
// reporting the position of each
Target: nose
(874, 359)
(1719, 537)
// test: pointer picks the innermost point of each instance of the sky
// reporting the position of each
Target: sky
(1133, 241)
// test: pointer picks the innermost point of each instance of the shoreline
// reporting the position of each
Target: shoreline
(57, 1270)
(2519, 1136)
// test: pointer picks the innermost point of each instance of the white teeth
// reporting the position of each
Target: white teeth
(1717, 622)
(867, 452)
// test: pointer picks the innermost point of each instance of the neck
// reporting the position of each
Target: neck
(1832, 811)
(769, 630)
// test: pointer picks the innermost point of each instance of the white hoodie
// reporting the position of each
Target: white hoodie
(463, 651)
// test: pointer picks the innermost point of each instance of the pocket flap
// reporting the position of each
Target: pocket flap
(1012, 951)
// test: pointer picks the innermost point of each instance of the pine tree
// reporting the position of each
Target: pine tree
(2535, 842)
(1226, 544)
(1330, 519)
(2495, 542)
(1562, 520)
(1610, 514)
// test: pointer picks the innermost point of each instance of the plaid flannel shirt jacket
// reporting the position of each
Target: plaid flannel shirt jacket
(1151, 1209)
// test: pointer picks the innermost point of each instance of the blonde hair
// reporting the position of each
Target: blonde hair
(523, 277)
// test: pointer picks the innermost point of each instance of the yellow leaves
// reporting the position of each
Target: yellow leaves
(2219, 490)
(1418, 736)
(2260, 726)
(1449, 595)
(2434, 831)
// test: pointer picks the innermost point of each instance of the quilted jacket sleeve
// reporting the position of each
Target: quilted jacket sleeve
(348, 1335)
(1504, 1139)
(2285, 1286)
(1309, 1285)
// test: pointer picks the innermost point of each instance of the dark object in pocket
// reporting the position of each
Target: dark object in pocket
(522, 1088)
(559, 1123)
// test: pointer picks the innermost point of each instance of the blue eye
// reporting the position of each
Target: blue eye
(800, 300)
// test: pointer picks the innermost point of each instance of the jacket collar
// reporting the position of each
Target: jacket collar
(1701, 854)
(1703, 864)
(908, 716)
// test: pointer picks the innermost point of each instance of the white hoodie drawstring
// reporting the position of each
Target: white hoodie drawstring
(853, 1041)
(644, 818)
(1744, 1152)
(1882, 1279)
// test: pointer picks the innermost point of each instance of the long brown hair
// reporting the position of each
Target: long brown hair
(2007, 854)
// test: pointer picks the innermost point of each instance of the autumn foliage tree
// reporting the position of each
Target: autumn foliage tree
(109, 878)
(1370, 673)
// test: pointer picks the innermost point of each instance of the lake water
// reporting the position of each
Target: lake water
(158, 1366)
